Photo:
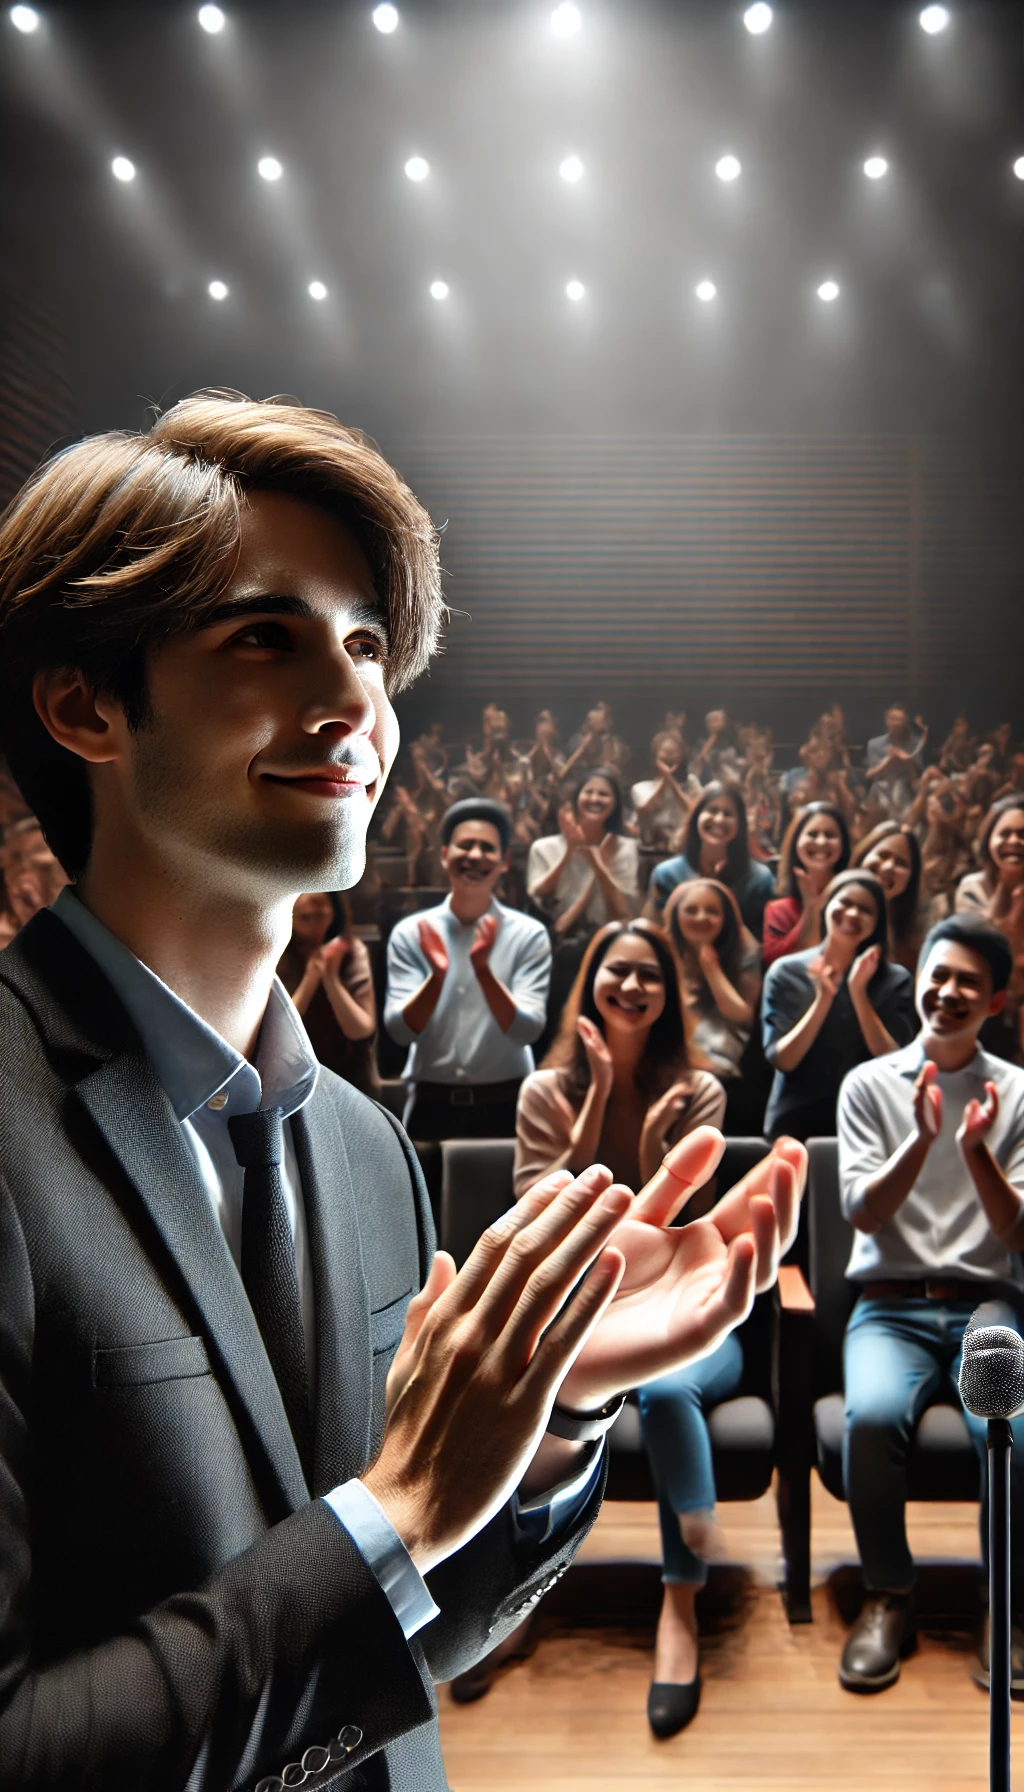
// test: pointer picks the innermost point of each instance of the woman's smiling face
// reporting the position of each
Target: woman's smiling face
(851, 915)
(891, 863)
(819, 843)
(719, 823)
(699, 915)
(629, 990)
(595, 801)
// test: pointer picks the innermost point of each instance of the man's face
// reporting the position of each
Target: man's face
(473, 857)
(896, 722)
(271, 734)
(954, 991)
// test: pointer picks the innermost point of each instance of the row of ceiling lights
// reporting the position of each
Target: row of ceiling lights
(566, 19)
(705, 290)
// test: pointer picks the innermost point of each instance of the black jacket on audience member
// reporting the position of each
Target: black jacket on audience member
(176, 1612)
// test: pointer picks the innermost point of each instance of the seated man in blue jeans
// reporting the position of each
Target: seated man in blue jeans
(931, 1168)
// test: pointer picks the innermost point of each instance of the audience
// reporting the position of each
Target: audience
(721, 980)
(467, 987)
(816, 847)
(662, 803)
(894, 761)
(892, 852)
(716, 844)
(830, 1007)
(326, 971)
(931, 1166)
(32, 877)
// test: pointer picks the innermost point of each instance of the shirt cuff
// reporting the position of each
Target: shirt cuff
(536, 1521)
(385, 1554)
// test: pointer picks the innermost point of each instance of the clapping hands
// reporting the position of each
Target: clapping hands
(433, 948)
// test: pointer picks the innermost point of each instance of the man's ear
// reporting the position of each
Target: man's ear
(77, 718)
(506, 861)
(998, 1002)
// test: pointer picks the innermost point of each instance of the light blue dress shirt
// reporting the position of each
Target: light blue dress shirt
(207, 1081)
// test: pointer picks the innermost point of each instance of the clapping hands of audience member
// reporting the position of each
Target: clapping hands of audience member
(484, 936)
(658, 1125)
(599, 1058)
(826, 977)
(570, 828)
(862, 970)
(434, 949)
(486, 1351)
(927, 1103)
(979, 1117)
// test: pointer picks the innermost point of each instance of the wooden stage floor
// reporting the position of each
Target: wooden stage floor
(773, 1715)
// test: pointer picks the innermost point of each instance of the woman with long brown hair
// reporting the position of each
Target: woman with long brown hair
(815, 849)
(721, 975)
(892, 853)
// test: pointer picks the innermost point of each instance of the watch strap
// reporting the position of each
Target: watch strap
(584, 1427)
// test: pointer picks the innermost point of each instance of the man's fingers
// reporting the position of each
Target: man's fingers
(560, 1209)
(563, 1341)
(686, 1167)
(541, 1268)
(730, 1305)
(764, 1227)
(731, 1213)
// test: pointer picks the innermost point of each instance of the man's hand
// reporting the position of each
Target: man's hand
(927, 1103)
(978, 1121)
(862, 970)
(483, 940)
(433, 948)
(598, 1056)
(686, 1287)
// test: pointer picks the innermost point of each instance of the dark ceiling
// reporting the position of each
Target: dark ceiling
(926, 333)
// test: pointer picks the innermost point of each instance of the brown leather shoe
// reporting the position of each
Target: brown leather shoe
(477, 1680)
(979, 1669)
(883, 1634)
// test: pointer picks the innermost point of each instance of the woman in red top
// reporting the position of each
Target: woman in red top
(816, 848)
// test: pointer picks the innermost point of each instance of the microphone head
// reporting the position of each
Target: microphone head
(992, 1372)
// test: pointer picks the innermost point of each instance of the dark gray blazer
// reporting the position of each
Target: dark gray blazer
(176, 1613)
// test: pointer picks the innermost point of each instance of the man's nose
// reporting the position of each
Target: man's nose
(339, 699)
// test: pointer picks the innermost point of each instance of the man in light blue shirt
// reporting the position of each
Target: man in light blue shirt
(467, 987)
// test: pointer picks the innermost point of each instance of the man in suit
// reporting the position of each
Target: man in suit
(269, 1468)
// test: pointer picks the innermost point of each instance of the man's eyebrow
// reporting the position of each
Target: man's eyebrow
(363, 613)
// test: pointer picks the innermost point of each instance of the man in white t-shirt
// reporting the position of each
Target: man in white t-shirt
(931, 1167)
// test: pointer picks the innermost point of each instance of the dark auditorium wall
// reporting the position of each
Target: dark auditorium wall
(771, 573)
(36, 410)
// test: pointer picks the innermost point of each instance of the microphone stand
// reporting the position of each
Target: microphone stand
(999, 1440)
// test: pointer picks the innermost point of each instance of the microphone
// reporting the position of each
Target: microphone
(991, 1386)
(992, 1371)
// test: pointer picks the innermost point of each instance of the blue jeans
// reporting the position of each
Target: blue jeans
(897, 1357)
(676, 1434)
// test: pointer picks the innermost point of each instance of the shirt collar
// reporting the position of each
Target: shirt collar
(191, 1060)
(908, 1061)
(494, 909)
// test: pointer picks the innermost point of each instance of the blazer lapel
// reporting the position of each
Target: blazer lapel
(129, 1106)
(343, 1370)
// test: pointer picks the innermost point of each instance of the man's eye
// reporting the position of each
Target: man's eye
(264, 634)
(366, 647)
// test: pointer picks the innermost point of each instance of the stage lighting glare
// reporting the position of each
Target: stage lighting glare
(439, 289)
(417, 168)
(875, 167)
(566, 20)
(727, 168)
(827, 291)
(933, 19)
(1018, 167)
(122, 169)
(317, 289)
(706, 290)
(24, 18)
(385, 18)
(571, 169)
(269, 167)
(757, 18)
(217, 289)
(575, 291)
(212, 19)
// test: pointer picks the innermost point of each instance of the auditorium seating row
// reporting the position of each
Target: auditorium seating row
(788, 1414)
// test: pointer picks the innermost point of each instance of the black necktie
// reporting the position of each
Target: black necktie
(268, 1264)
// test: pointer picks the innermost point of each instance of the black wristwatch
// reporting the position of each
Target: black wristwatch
(584, 1427)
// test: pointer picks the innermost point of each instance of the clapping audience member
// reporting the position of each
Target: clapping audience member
(721, 981)
(585, 874)
(815, 849)
(931, 1171)
(716, 844)
(596, 744)
(663, 802)
(895, 760)
(1000, 853)
(467, 987)
(891, 851)
(326, 970)
(761, 795)
(957, 750)
(830, 1007)
(945, 854)
(717, 760)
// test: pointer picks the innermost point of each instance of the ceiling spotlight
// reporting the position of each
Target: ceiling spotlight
(122, 169)
(566, 20)
(317, 289)
(417, 168)
(385, 18)
(828, 290)
(727, 168)
(212, 19)
(757, 18)
(875, 167)
(706, 290)
(217, 289)
(24, 18)
(269, 167)
(1018, 167)
(439, 289)
(571, 169)
(933, 19)
(575, 291)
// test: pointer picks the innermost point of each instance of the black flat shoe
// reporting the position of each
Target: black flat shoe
(671, 1706)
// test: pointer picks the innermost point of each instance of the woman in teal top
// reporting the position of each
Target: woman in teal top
(716, 845)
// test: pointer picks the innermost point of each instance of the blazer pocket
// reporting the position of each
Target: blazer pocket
(388, 1323)
(138, 1365)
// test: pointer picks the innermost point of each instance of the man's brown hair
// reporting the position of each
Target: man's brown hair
(124, 541)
